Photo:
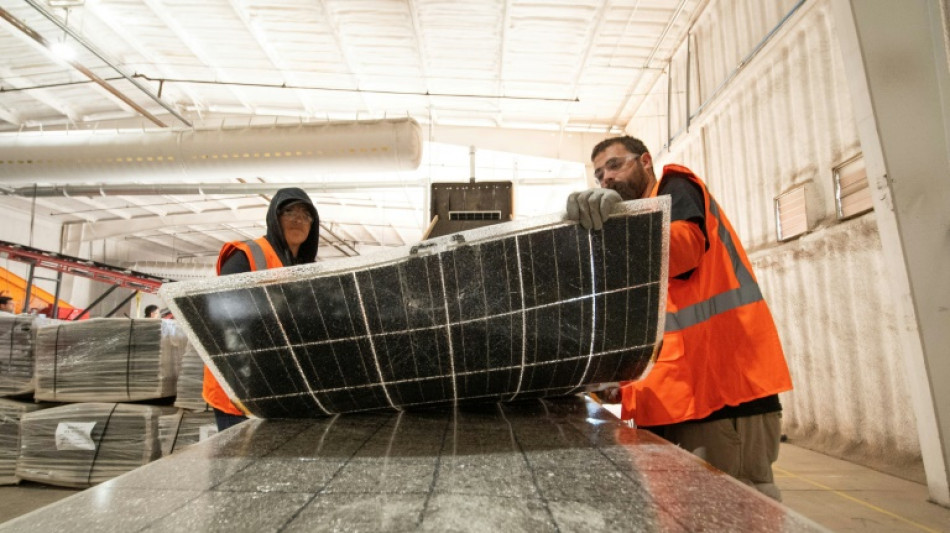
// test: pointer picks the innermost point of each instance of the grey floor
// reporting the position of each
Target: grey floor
(843, 496)
(836, 494)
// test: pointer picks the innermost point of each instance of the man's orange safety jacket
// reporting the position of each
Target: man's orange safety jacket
(261, 256)
(720, 344)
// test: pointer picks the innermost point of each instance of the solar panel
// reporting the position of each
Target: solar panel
(532, 308)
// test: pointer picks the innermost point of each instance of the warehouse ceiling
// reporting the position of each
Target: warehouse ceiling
(124, 67)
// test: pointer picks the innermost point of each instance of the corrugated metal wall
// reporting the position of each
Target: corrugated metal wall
(781, 121)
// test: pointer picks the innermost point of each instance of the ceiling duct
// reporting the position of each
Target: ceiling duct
(177, 187)
(299, 151)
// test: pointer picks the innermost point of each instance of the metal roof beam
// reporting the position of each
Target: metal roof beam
(195, 47)
(91, 75)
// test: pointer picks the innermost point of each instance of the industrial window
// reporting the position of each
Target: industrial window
(852, 194)
(791, 213)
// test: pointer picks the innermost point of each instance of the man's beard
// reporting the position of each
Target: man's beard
(625, 191)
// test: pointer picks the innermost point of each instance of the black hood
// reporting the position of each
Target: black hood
(275, 235)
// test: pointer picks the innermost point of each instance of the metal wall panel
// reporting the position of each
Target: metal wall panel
(830, 295)
(785, 120)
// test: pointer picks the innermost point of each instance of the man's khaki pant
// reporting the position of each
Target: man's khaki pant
(743, 447)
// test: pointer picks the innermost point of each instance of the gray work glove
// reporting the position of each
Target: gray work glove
(592, 207)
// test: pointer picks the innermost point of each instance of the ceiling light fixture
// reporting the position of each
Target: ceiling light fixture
(62, 51)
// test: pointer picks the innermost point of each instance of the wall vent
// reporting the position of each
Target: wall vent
(852, 193)
(797, 211)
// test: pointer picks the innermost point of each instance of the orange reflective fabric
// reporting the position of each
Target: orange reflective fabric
(211, 390)
(720, 346)
(687, 245)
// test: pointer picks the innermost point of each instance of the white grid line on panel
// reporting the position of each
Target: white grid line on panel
(626, 308)
(403, 290)
(462, 374)
(524, 321)
(379, 316)
(661, 319)
(458, 302)
(563, 391)
(481, 272)
(593, 309)
(293, 354)
(560, 390)
(557, 291)
(458, 323)
(431, 306)
(372, 343)
(448, 332)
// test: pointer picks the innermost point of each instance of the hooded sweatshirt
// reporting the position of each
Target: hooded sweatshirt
(307, 253)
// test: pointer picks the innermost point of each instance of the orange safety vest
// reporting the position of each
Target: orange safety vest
(261, 256)
(720, 345)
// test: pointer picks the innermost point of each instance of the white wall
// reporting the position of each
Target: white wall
(784, 119)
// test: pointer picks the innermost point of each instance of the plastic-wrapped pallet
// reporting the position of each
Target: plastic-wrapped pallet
(10, 414)
(16, 352)
(184, 428)
(83, 444)
(107, 359)
(190, 379)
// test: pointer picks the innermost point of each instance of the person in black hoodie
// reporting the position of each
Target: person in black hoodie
(283, 233)
(293, 232)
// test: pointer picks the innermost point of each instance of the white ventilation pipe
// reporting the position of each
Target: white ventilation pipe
(157, 189)
(300, 151)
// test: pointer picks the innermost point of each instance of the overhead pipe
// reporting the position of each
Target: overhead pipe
(745, 61)
(158, 189)
(295, 87)
(102, 57)
(646, 64)
(292, 152)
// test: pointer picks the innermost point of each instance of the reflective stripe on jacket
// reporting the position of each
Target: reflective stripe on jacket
(261, 256)
(720, 344)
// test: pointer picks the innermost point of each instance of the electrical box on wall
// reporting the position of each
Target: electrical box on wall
(797, 211)
(462, 206)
